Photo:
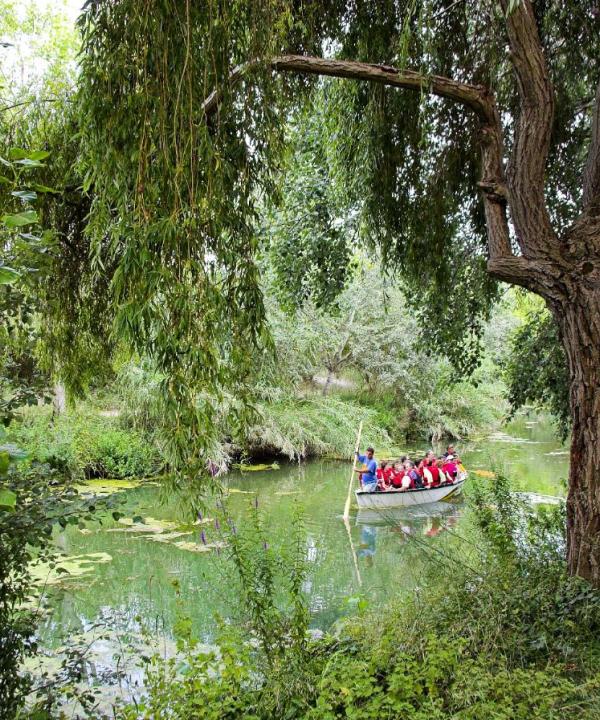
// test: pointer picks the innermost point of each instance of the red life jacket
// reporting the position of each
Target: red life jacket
(396, 477)
(435, 473)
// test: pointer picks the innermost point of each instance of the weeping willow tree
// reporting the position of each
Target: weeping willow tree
(465, 133)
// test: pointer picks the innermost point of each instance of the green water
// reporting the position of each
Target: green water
(134, 590)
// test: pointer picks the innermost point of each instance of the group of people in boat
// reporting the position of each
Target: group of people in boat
(407, 474)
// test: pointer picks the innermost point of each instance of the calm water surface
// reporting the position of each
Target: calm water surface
(134, 587)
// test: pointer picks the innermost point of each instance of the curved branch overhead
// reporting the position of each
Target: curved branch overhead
(475, 98)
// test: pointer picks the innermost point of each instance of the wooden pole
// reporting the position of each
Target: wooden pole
(354, 558)
(347, 505)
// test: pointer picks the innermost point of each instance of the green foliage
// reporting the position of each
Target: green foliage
(536, 369)
(31, 505)
(81, 443)
(23, 248)
(496, 630)
(304, 427)
(309, 233)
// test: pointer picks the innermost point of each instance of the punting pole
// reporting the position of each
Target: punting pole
(351, 483)
(354, 558)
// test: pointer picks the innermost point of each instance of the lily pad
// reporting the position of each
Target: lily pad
(257, 468)
(198, 547)
(165, 537)
(68, 568)
(106, 487)
(147, 525)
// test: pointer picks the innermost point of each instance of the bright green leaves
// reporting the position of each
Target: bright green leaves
(28, 217)
(176, 196)
(310, 231)
(8, 498)
(4, 462)
(8, 275)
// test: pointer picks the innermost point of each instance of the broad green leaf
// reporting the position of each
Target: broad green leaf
(8, 276)
(5, 181)
(28, 195)
(4, 462)
(17, 153)
(8, 499)
(38, 155)
(20, 219)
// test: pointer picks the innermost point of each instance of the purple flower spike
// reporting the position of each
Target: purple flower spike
(203, 537)
(200, 515)
(217, 524)
(256, 501)
(234, 529)
(265, 546)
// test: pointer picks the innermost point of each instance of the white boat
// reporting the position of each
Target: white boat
(408, 498)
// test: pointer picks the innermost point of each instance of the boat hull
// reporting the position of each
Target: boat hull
(407, 498)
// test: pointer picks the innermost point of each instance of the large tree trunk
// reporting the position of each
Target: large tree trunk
(580, 325)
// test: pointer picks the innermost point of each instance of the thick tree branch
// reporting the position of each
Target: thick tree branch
(527, 166)
(591, 176)
(476, 98)
(540, 276)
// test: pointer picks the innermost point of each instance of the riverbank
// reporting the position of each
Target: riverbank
(110, 436)
(132, 586)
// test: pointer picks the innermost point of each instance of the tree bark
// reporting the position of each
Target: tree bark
(579, 320)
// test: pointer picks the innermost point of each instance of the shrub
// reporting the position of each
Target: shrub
(81, 443)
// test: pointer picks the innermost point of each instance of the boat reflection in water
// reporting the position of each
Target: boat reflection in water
(419, 521)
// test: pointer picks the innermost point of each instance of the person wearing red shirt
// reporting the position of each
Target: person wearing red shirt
(384, 473)
(450, 469)
(397, 475)
(435, 473)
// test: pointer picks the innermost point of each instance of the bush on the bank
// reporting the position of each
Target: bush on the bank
(497, 631)
(81, 443)
(312, 426)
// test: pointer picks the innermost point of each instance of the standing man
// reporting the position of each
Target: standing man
(368, 475)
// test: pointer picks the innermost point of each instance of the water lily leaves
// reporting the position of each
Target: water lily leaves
(256, 468)
(198, 547)
(484, 473)
(166, 537)
(68, 568)
(106, 487)
(138, 524)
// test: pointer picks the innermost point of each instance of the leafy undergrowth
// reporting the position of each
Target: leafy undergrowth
(82, 443)
(497, 631)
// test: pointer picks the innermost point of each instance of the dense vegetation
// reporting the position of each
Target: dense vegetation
(216, 265)
(496, 630)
